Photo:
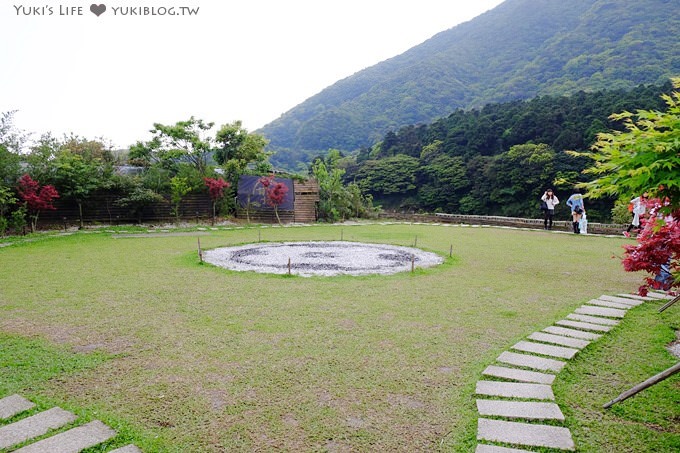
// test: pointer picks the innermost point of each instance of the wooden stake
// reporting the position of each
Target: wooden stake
(413, 263)
(451, 251)
(200, 252)
(640, 387)
(288, 265)
(415, 243)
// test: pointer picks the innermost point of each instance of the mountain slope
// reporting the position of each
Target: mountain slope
(520, 49)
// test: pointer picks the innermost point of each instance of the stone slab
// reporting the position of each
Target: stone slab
(621, 300)
(481, 448)
(635, 298)
(593, 319)
(572, 333)
(520, 409)
(607, 304)
(657, 295)
(127, 449)
(531, 361)
(545, 349)
(600, 311)
(73, 440)
(583, 325)
(519, 375)
(34, 426)
(515, 390)
(559, 339)
(524, 434)
(13, 405)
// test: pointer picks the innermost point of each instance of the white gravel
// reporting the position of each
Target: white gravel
(321, 258)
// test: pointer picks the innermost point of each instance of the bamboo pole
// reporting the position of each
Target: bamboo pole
(669, 304)
(640, 387)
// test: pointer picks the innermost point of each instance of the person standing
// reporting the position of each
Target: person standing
(575, 203)
(550, 200)
(639, 209)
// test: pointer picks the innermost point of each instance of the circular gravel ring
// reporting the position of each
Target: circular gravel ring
(321, 258)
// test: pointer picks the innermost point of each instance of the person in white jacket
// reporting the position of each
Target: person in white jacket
(639, 208)
(550, 200)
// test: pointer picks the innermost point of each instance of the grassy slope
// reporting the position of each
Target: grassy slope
(202, 359)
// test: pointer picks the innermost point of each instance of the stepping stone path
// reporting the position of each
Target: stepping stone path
(526, 375)
(37, 425)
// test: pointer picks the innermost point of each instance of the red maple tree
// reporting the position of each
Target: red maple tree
(658, 248)
(274, 193)
(37, 198)
(216, 187)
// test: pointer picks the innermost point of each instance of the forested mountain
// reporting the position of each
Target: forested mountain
(496, 160)
(519, 50)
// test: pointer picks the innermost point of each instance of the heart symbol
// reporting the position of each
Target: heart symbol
(98, 9)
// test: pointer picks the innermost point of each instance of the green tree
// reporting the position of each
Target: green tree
(11, 138)
(78, 176)
(643, 157)
(7, 199)
(237, 149)
(361, 205)
(9, 167)
(41, 157)
(11, 142)
(17, 220)
(179, 187)
(519, 177)
(90, 150)
(137, 197)
(186, 141)
(390, 176)
(441, 183)
(333, 202)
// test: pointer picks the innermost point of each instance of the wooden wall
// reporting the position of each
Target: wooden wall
(306, 199)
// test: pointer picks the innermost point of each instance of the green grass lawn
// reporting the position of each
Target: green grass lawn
(184, 357)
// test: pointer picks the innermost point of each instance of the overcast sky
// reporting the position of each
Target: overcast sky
(114, 75)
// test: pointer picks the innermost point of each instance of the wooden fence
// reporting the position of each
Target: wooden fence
(102, 208)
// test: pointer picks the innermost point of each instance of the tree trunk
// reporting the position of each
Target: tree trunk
(80, 214)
